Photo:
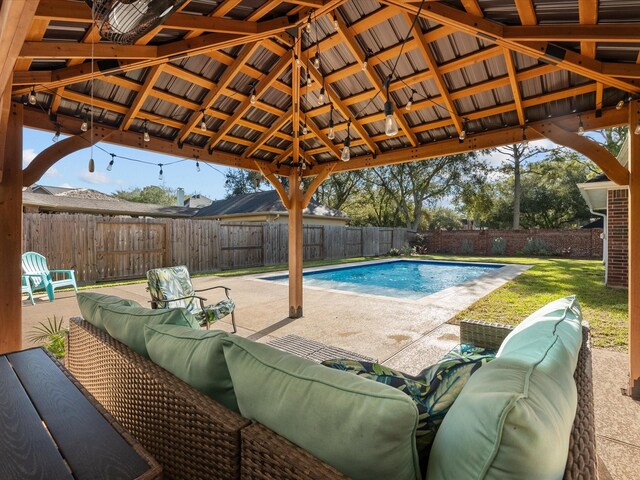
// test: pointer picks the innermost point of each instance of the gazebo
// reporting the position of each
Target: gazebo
(303, 89)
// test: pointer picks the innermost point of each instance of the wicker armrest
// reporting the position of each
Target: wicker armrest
(188, 433)
(483, 334)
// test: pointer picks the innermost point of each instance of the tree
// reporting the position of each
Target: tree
(336, 190)
(240, 182)
(150, 194)
(442, 218)
(612, 138)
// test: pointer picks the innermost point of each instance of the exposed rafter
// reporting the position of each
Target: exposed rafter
(141, 96)
(515, 87)
(267, 134)
(526, 12)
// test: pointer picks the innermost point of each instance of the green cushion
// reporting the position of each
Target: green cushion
(194, 356)
(513, 418)
(362, 428)
(89, 302)
(126, 324)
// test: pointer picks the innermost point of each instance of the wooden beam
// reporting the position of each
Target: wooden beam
(608, 33)
(68, 50)
(587, 147)
(152, 77)
(481, 141)
(214, 93)
(295, 100)
(5, 112)
(262, 86)
(295, 245)
(270, 173)
(36, 33)
(634, 252)
(488, 30)
(473, 7)
(322, 137)
(526, 12)
(321, 175)
(275, 126)
(15, 21)
(588, 15)
(11, 231)
(359, 56)
(515, 87)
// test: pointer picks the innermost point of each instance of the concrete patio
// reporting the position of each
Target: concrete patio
(404, 335)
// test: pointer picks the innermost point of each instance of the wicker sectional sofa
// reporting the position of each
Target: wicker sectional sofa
(194, 437)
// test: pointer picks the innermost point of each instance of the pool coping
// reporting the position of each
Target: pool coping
(483, 285)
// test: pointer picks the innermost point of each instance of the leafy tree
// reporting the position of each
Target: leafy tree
(442, 218)
(150, 194)
(336, 190)
(240, 182)
(612, 138)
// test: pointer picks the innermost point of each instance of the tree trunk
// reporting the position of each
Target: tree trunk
(517, 188)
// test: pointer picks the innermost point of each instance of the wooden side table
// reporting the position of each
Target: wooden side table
(52, 428)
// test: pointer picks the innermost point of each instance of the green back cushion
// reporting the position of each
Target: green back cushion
(89, 302)
(126, 324)
(513, 419)
(362, 428)
(194, 356)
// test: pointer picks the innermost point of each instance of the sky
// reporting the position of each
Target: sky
(72, 171)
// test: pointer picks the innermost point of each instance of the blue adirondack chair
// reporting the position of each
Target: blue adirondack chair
(26, 288)
(35, 269)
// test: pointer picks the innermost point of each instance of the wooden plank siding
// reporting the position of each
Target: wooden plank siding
(110, 248)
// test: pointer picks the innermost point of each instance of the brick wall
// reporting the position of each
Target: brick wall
(579, 243)
(618, 226)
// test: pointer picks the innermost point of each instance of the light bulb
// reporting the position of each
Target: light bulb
(619, 105)
(463, 135)
(85, 126)
(110, 166)
(316, 62)
(332, 134)
(309, 81)
(56, 137)
(203, 125)
(304, 129)
(637, 130)
(161, 175)
(364, 66)
(197, 166)
(321, 97)
(390, 123)
(32, 97)
(335, 23)
(298, 62)
(252, 100)
(303, 166)
(146, 136)
(580, 128)
(307, 27)
(408, 106)
(92, 165)
(346, 153)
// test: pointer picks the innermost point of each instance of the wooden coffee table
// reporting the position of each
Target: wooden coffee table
(52, 428)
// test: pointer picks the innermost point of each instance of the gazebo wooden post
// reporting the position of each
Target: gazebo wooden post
(296, 250)
(11, 221)
(634, 252)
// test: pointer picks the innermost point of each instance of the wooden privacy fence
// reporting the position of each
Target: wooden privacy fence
(109, 248)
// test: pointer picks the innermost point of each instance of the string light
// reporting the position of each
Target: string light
(307, 27)
(619, 105)
(525, 141)
(161, 174)
(145, 130)
(197, 166)
(321, 97)
(637, 130)
(346, 150)
(252, 100)
(390, 123)
(463, 133)
(32, 96)
(335, 22)
(298, 61)
(365, 63)
(56, 137)
(332, 134)
(203, 123)
(580, 126)
(110, 166)
(410, 102)
(309, 80)
(305, 130)
(85, 126)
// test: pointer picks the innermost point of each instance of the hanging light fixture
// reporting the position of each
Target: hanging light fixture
(92, 165)
(305, 130)
(580, 126)
(145, 130)
(253, 98)
(203, 123)
(316, 61)
(161, 174)
(110, 166)
(197, 166)
(332, 134)
(525, 141)
(309, 80)
(619, 105)
(307, 27)
(463, 133)
(32, 96)
(321, 97)
(335, 22)
(390, 123)
(346, 150)
(637, 130)
(56, 137)
(85, 125)
(298, 61)
(365, 62)
(410, 102)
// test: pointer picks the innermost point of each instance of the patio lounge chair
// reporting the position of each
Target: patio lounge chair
(26, 288)
(171, 287)
(38, 274)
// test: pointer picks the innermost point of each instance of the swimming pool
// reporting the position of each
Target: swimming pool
(410, 279)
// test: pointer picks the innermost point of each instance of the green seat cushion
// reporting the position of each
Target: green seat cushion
(126, 324)
(513, 418)
(194, 356)
(89, 302)
(362, 428)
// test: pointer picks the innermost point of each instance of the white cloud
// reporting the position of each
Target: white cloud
(65, 185)
(52, 173)
(96, 178)
(28, 154)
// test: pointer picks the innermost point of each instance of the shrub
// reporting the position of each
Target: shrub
(51, 335)
(394, 252)
(420, 244)
(499, 246)
(407, 250)
(467, 247)
(536, 247)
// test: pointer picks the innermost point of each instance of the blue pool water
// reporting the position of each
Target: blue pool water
(408, 279)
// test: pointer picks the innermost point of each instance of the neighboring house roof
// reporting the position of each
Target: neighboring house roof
(71, 204)
(197, 201)
(261, 202)
(71, 192)
(597, 223)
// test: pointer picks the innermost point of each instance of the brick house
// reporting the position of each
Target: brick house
(610, 201)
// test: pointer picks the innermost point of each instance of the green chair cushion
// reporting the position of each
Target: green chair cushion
(126, 324)
(194, 356)
(513, 418)
(362, 428)
(89, 302)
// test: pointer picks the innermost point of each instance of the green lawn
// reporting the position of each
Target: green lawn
(604, 308)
